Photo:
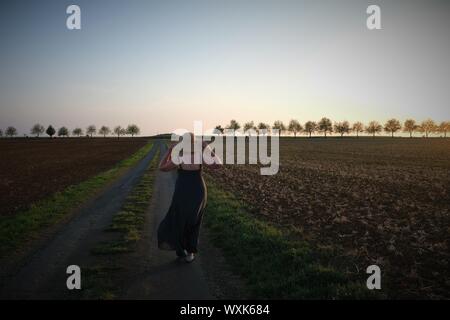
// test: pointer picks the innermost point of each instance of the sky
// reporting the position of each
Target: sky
(163, 64)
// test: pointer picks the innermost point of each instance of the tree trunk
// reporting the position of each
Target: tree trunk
(410, 134)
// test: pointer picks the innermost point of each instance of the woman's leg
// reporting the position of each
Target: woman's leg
(192, 236)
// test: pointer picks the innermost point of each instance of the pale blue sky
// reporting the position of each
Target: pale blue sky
(163, 64)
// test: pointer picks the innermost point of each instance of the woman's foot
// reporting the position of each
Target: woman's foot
(189, 257)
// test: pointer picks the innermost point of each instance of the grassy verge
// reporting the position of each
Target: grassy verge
(24, 226)
(95, 275)
(274, 263)
(129, 221)
(128, 224)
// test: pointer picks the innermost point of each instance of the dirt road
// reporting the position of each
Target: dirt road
(43, 274)
(157, 274)
(150, 274)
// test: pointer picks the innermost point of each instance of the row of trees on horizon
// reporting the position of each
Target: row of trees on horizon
(325, 126)
(37, 130)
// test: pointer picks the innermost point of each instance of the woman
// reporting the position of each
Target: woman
(180, 228)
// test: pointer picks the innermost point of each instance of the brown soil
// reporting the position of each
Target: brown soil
(376, 201)
(32, 169)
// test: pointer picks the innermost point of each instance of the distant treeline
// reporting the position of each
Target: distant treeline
(325, 126)
(37, 130)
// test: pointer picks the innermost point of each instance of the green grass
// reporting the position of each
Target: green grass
(16, 230)
(129, 221)
(128, 225)
(110, 247)
(274, 262)
(92, 276)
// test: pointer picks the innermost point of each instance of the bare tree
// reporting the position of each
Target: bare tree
(77, 132)
(428, 126)
(133, 130)
(325, 126)
(123, 132)
(358, 127)
(279, 125)
(50, 131)
(410, 126)
(392, 126)
(91, 130)
(295, 127)
(63, 132)
(374, 127)
(219, 129)
(117, 130)
(249, 126)
(104, 130)
(234, 125)
(11, 132)
(444, 127)
(310, 127)
(342, 127)
(37, 130)
(263, 127)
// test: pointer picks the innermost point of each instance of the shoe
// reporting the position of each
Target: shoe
(189, 258)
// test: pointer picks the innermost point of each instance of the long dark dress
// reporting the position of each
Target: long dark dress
(179, 230)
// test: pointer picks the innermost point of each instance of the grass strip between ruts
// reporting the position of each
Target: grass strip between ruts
(102, 281)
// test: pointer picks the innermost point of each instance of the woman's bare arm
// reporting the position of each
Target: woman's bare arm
(166, 163)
